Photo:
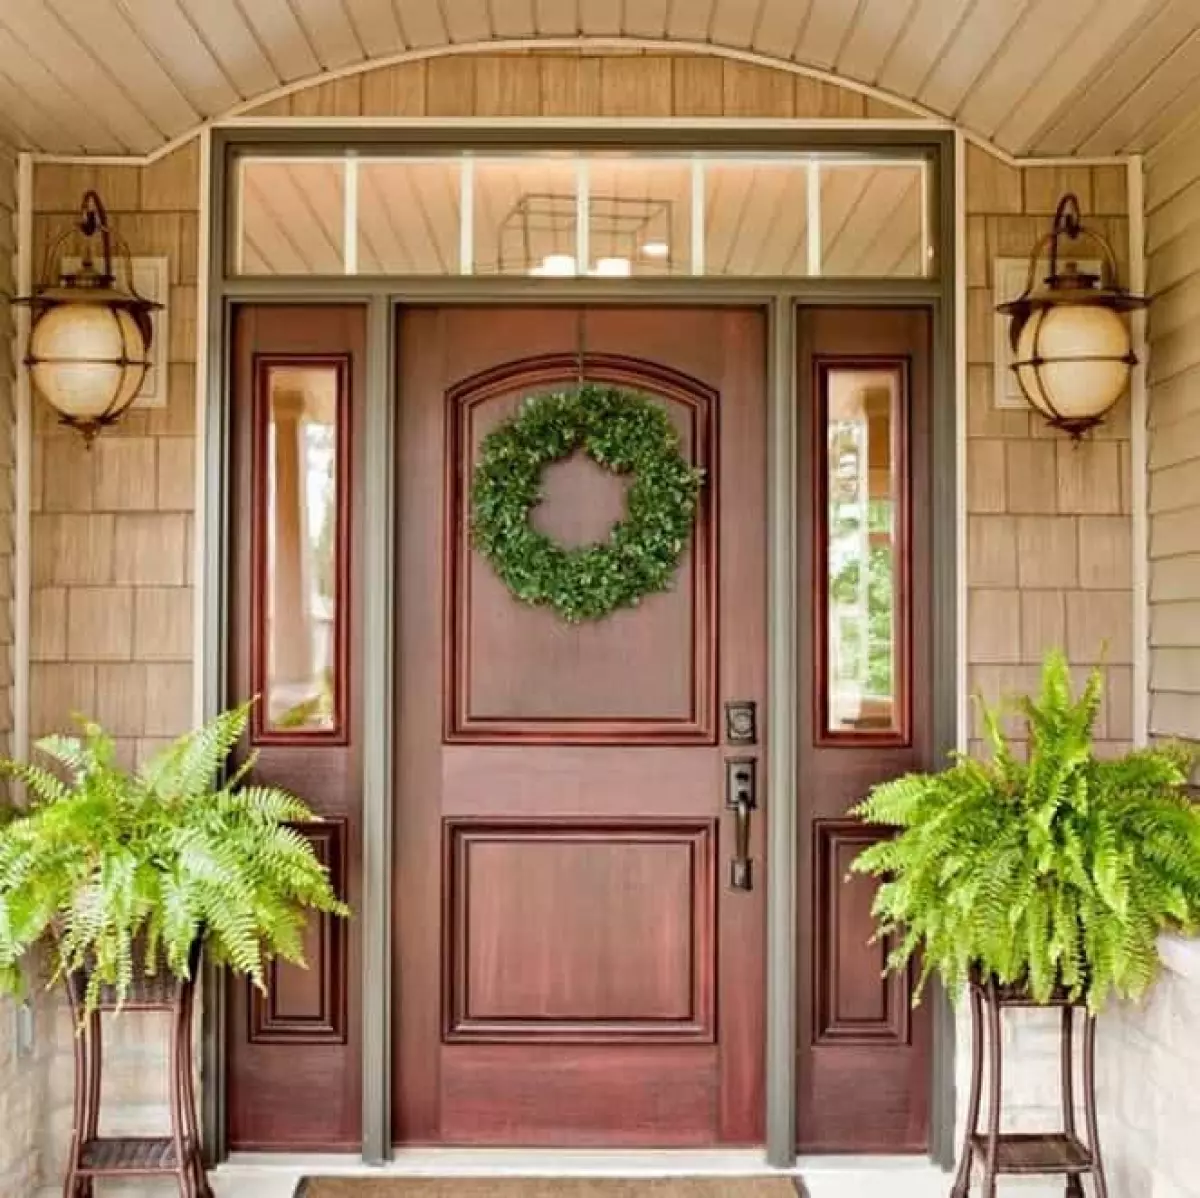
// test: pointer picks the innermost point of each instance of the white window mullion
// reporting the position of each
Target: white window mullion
(814, 217)
(699, 215)
(583, 217)
(350, 216)
(466, 215)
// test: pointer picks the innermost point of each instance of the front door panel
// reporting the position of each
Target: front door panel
(572, 965)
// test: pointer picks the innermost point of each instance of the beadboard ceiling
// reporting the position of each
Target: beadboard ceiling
(1036, 77)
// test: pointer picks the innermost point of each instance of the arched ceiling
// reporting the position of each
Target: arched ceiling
(1035, 77)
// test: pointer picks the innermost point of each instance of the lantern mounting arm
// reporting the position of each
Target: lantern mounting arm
(93, 223)
(1068, 224)
(93, 220)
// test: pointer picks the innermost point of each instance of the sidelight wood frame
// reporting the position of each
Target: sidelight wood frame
(781, 299)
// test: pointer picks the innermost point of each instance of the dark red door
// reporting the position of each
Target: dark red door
(863, 1069)
(572, 966)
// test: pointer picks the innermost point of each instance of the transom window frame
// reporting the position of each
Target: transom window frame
(815, 154)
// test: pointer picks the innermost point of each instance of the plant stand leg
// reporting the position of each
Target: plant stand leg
(995, 1089)
(1074, 1188)
(188, 1089)
(72, 1184)
(962, 1180)
(1089, 1099)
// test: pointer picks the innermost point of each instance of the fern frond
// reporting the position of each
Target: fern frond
(130, 870)
(1061, 870)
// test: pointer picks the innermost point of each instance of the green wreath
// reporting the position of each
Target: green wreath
(625, 432)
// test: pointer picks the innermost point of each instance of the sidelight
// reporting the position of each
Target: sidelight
(300, 548)
(864, 585)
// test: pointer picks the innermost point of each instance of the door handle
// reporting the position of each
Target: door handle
(741, 799)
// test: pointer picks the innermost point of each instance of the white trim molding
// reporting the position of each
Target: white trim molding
(23, 473)
(1139, 483)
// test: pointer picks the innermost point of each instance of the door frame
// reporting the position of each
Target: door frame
(780, 299)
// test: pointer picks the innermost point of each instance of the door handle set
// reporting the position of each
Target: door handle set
(741, 797)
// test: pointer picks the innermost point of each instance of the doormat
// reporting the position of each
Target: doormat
(547, 1187)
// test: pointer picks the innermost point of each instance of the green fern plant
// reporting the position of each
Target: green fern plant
(1058, 871)
(107, 865)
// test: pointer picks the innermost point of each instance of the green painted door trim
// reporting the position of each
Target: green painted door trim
(779, 297)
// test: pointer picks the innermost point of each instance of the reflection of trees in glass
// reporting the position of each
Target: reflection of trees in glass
(322, 505)
(847, 561)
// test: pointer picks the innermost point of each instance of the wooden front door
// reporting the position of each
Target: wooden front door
(572, 965)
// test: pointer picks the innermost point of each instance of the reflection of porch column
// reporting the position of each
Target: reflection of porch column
(291, 631)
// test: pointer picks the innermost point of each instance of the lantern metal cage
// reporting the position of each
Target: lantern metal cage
(90, 333)
(1071, 343)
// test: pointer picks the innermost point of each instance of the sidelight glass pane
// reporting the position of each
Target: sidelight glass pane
(292, 217)
(864, 581)
(299, 579)
(874, 220)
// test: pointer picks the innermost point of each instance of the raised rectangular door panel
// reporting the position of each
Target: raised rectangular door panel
(294, 1075)
(865, 702)
(571, 966)
(513, 672)
(613, 925)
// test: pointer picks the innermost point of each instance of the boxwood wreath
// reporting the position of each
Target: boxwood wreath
(625, 432)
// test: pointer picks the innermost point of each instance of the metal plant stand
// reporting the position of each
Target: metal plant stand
(177, 1154)
(1045, 1153)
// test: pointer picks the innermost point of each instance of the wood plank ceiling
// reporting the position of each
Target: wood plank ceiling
(1036, 77)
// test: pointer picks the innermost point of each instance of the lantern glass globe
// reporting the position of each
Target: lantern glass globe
(87, 359)
(1082, 354)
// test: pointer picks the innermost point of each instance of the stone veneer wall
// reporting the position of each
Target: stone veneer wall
(1049, 539)
(112, 603)
(22, 1073)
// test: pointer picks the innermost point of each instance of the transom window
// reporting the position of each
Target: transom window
(571, 214)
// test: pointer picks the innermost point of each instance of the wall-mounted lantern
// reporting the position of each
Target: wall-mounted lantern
(1070, 336)
(89, 337)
